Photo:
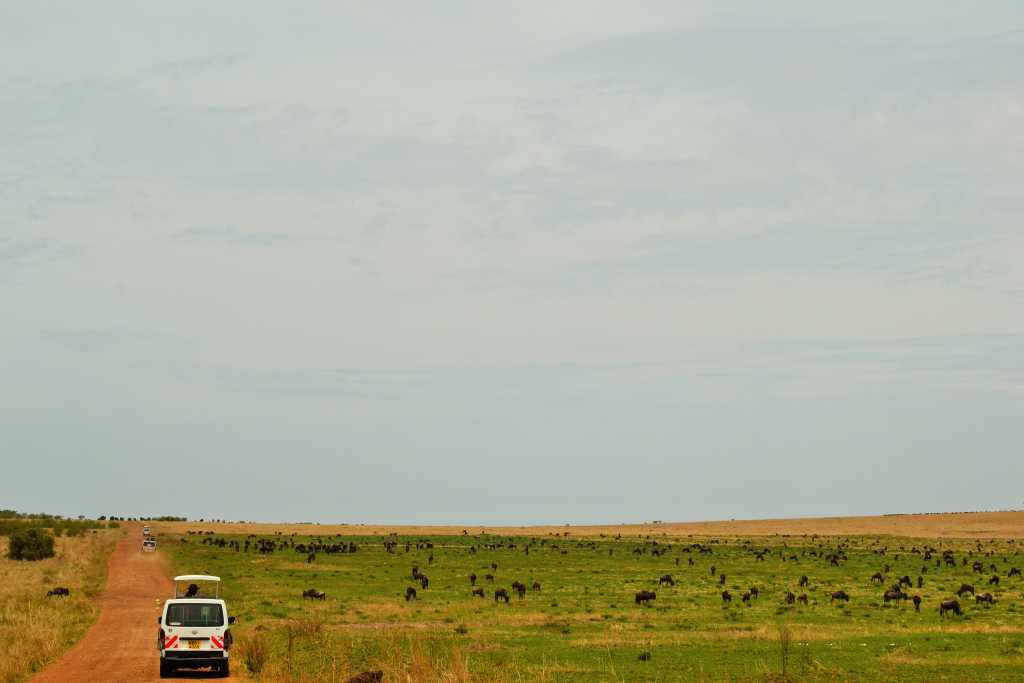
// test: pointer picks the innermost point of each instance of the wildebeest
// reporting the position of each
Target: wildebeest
(804, 581)
(59, 591)
(802, 598)
(314, 594)
(472, 579)
(1013, 572)
(917, 603)
(965, 588)
(994, 580)
(478, 592)
(666, 580)
(494, 566)
(367, 677)
(644, 597)
(726, 596)
(536, 586)
(424, 581)
(754, 592)
(410, 594)
(949, 606)
(489, 577)
(839, 595)
(192, 591)
(987, 597)
(519, 588)
(501, 594)
(721, 579)
(894, 595)
(920, 581)
(745, 597)
(877, 576)
(790, 597)
(905, 581)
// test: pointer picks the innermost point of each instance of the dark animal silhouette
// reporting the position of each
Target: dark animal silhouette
(803, 581)
(410, 594)
(59, 591)
(917, 603)
(877, 576)
(666, 580)
(790, 597)
(644, 597)
(949, 606)
(1013, 572)
(367, 677)
(726, 596)
(478, 592)
(745, 597)
(893, 596)
(994, 581)
(489, 577)
(839, 595)
(964, 589)
(472, 579)
(520, 589)
(802, 598)
(987, 597)
(424, 581)
(501, 594)
(536, 586)
(754, 593)
(314, 594)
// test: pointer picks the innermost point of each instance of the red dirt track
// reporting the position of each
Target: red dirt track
(121, 645)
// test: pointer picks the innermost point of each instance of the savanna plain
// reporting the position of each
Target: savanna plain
(728, 602)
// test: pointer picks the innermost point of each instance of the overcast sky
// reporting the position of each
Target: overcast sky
(511, 262)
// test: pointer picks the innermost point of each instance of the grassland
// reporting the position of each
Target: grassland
(34, 629)
(583, 624)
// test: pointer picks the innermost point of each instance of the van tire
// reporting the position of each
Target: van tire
(225, 670)
(165, 670)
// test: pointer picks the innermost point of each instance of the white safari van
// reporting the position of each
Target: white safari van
(195, 627)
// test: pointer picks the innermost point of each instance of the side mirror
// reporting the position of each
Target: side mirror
(231, 620)
(158, 621)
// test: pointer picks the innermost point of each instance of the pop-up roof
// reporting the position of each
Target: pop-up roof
(193, 578)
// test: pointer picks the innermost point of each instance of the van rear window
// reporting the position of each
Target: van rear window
(195, 614)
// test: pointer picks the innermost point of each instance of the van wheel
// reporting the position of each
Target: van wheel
(225, 669)
(165, 670)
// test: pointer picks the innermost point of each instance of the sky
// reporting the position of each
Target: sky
(538, 262)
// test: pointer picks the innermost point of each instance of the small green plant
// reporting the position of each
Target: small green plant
(254, 652)
(462, 629)
(785, 646)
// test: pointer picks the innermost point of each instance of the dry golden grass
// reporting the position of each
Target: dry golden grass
(36, 629)
(940, 525)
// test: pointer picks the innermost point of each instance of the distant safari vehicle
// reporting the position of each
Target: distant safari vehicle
(149, 545)
(194, 628)
(146, 530)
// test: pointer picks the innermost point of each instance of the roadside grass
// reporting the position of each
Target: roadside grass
(583, 625)
(35, 629)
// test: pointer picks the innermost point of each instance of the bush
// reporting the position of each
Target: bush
(30, 544)
(255, 651)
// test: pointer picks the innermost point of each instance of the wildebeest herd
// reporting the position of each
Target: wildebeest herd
(808, 553)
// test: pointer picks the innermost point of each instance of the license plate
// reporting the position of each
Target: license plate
(194, 644)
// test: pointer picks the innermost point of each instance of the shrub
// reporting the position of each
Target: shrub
(255, 652)
(30, 544)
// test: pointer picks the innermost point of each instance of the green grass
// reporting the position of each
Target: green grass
(584, 625)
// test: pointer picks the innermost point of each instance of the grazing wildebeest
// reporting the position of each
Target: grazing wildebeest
(314, 594)
(893, 595)
(978, 567)
(1013, 572)
(472, 579)
(726, 596)
(790, 597)
(949, 606)
(666, 580)
(478, 592)
(905, 581)
(410, 594)
(644, 597)
(839, 595)
(310, 558)
(987, 597)
(754, 593)
(802, 598)
(192, 591)
(721, 579)
(917, 603)
(745, 597)
(501, 594)
(920, 581)
(994, 581)
(519, 588)
(804, 581)
(536, 586)
(713, 572)
(489, 577)
(367, 677)
(965, 588)
(59, 591)
(877, 576)
(494, 566)
(424, 581)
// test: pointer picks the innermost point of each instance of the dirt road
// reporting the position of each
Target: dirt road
(121, 645)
